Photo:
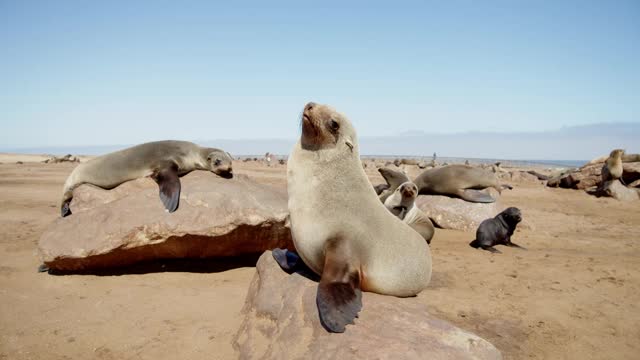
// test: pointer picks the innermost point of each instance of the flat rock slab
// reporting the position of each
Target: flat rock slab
(281, 322)
(216, 217)
(454, 213)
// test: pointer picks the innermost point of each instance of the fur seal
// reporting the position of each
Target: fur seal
(163, 161)
(459, 181)
(393, 178)
(612, 168)
(402, 204)
(498, 231)
(340, 228)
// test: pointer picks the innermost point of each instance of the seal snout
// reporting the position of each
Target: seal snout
(225, 173)
(306, 113)
(408, 190)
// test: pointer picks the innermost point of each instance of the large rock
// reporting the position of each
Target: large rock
(590, 176)
(454, 213)
(281, 322)
(217, 217)
(616, 190)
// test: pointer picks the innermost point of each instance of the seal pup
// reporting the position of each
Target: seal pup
(402, 204)
(164, 161)
(612, 168)
(498, 231)
(393, 178)
(340, 228)
(459, 181)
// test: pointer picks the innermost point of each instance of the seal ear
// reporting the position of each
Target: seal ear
(349, 144)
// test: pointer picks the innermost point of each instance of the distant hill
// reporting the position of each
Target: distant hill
(567, 143)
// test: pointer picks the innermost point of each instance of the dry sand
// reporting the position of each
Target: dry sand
(573, 295)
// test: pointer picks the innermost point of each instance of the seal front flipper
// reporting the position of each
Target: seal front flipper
(169, 183)
(475, 196)
(339, 298)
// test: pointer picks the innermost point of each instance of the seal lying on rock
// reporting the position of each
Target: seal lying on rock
(497, 231)
(459, 181)
(402, 204)
(163, 161)
(340, 228)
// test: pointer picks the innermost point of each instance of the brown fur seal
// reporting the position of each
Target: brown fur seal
(340, 228)
(630, 157)
(612, 168)
(402, 204)
(394, 179)
(163, 161)
(459, 181)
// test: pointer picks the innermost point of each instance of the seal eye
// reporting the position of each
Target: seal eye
(217, 162)
(334, 125)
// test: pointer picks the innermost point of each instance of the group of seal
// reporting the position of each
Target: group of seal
(340, 229)
(164, 161)
(461, 181)
(353, 238)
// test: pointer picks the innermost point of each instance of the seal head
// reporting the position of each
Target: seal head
(325, 128)
(219, 163)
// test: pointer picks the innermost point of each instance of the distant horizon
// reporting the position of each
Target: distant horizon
(132, 72)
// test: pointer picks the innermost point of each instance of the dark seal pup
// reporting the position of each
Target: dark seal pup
(498, 231)
(163, 161)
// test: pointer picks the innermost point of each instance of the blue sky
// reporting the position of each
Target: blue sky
(124, 72)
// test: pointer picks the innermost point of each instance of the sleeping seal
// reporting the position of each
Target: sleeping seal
(459, 181)
(163, 161)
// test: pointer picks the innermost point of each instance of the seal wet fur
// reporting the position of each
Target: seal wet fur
(498, 230)
(340, 228)
(164, 161)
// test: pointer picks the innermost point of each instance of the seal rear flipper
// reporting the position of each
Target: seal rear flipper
(288, 260)
(491, 249)
(475, 196)
(516, 246)
(339, 298)
(65, 210)
(169, 184)
(393, 178)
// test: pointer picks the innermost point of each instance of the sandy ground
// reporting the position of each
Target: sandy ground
(573, 295)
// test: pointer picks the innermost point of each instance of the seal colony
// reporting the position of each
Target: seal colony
(164, 161)
(340, 228)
